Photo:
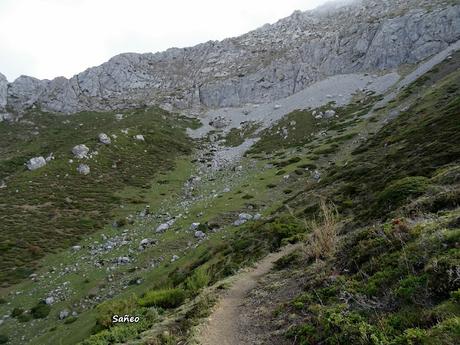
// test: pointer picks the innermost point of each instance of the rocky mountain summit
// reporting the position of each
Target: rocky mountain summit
(270, 63)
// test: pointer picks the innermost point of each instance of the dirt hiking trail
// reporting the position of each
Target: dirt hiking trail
(226, 324)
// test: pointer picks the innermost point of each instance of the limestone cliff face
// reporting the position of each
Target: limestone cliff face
(3, 92)
(266, 64)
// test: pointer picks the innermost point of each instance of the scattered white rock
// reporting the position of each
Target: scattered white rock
(80, 151)
(119, 117)
(164, 226)
(316, 175)
(50, 157)
(200, 234)
(36, 163)
(83, 169)
(76, 248)
(6, 117)
(245, 216)
(123, 260)
(174, 258)
(49, 300)
(218, 122)
(139, 137)
(242, 218)
(145, 242)
(104, 138)
(63, 314)
(329, 113)
(257, 216)
(194, 226)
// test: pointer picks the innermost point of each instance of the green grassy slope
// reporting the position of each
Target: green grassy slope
(394, 276)
(54, 207)
(391, 280)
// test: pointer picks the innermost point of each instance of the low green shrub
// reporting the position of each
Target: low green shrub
(399, 191)
(16, 312)
(25, 317)
(106, 310)
(287, 260)
(411, 287)
(165, 298)
(70, 320)
(449, 175)
(40, 311)
(198, 280)
(4, 339)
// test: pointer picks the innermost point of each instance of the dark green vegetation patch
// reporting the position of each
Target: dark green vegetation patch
(54, 206)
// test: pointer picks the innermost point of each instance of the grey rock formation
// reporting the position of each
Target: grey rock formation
(104, 138)
(36, 163)
(63, 314)
(6, 117)
(83, 169)
(267, 64)
(329, 113)
(165, 226)
(3, 92)
(80, 151)
(194, 226)
(200, 235)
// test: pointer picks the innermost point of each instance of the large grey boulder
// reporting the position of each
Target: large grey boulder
(242, 218)
(80, 151)
(36, 163)
(6, 117)
(329, 113)
(104, 138)
(83, 169)
(165, 226)
(63, 314)
(200, 235)
(194, 226)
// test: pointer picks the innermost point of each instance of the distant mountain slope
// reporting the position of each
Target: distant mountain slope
(266, 64)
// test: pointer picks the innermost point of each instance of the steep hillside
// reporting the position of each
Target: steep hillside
(384, 274)
(333, 147)
(56, 206)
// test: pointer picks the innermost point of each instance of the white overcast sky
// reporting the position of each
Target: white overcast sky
(50, 38)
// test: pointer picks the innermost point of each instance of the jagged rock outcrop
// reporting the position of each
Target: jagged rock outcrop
(266, 64)
(3, 92)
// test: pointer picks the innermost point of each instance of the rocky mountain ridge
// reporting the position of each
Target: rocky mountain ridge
(270, 63)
